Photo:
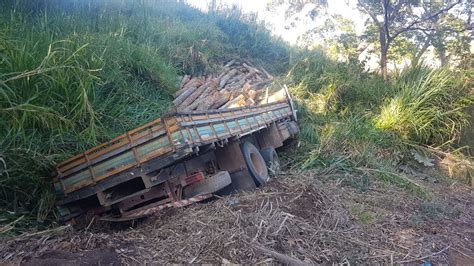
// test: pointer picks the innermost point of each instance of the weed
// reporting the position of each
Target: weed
(364, 216)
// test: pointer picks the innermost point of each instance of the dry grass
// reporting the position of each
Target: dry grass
(293, 219)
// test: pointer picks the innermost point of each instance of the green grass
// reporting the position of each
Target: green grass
(428, 106)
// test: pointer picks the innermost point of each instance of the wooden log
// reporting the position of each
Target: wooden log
(203, 98)
(224, 97)
(230, 63)
(188, 108)
(191, 98)
(185, 94)
(208, 102)
(246, 88)
(226, 78)
(237, 81)
(238, 86)
(249, 102)
(251, 69)
(266, 73)
(237, 77)
(185, 80)
(259, 85)
(194, 82)
(233, 102)
(223, 73)
(250, 75)
(259, 78)
(210, 90)
(234, 93)
(252, 94)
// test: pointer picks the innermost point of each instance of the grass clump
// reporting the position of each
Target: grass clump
(428, 107)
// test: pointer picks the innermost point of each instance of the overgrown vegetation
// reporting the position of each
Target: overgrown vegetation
(354, 122)
(74, 73)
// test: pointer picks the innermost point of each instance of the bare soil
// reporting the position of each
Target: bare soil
(293, 219)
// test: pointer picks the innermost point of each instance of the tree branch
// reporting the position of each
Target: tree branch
(417, 21)
(372, 15)
(386, 6)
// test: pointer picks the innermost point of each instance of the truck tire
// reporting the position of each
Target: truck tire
(209, 185)
(241, 181)
(255, 163)
(272, 161)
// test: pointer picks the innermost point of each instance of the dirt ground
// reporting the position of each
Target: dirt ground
(294, 219)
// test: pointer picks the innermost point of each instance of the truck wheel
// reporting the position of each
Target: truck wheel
(208, 185)
(255, 163)
(241, 181)
(272, 161)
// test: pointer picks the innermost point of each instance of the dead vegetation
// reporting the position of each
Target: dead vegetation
(294, 219)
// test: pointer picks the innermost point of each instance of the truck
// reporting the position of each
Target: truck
(176, 160)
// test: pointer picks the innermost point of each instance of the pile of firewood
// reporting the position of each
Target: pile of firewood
(238, 84)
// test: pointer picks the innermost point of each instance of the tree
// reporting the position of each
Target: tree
(395, 17)
(450, 33)
(337, 35)
(297, 10)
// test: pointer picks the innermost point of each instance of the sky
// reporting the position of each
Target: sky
(345, 8)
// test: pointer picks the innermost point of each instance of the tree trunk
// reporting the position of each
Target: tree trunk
(383, 63)
(383, 53)
(442, 56)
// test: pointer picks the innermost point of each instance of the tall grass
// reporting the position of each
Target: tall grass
(359, 125)
(428, 107)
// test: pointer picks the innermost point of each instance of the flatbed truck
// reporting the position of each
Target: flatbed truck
(174, 161)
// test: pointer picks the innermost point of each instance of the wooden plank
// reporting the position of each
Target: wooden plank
(81, 155)
(145, 134)
(156, 153)
(123, 136)
(114, 152)
(241, 115)
(146, 168)
(156, 121)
